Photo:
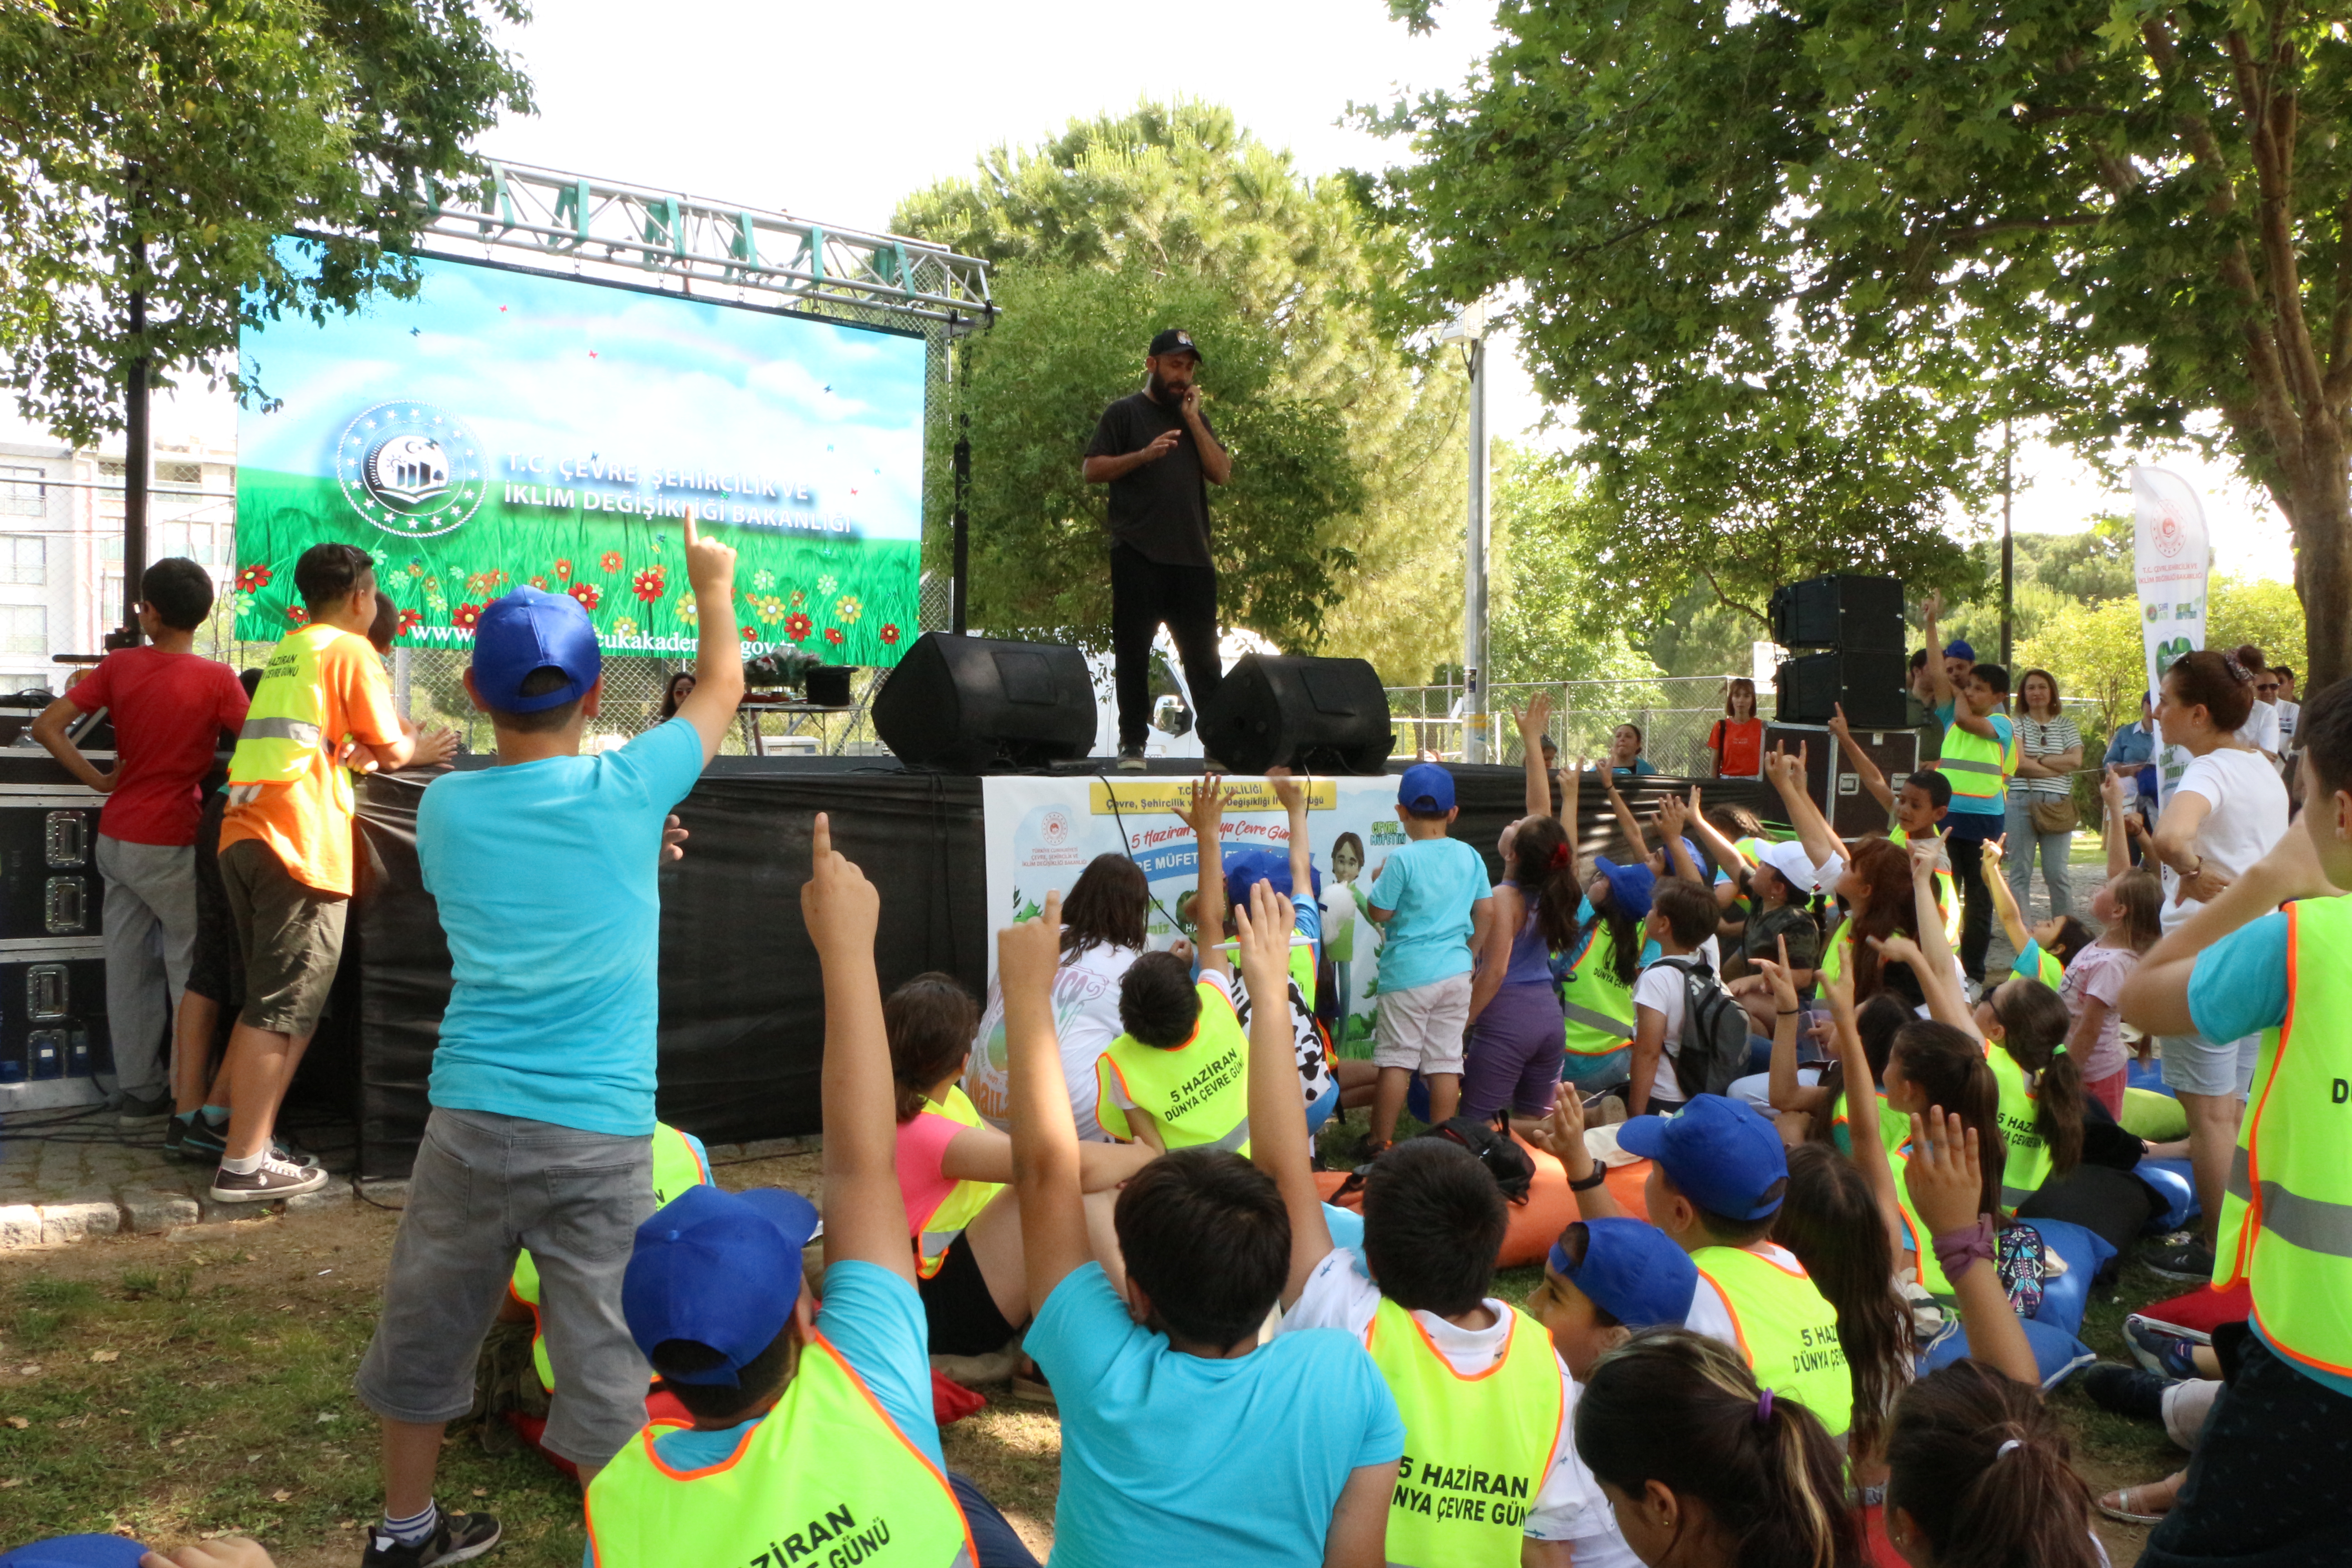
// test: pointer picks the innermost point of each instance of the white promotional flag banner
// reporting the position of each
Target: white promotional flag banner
(2171, 556)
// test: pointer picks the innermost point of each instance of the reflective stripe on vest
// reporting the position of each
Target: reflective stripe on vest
(286, 721)
(1787, 1329)
(1977, 765)
(1196, 1093)
(825, 1476)
(2027, 1164)
(2286, 1208)
(1932, 1278)
(1477, 1445)
(676, 1167)
(1948, 892)
(937, 1231)
(1600, 1010)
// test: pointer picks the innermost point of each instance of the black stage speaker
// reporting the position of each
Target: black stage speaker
(1317, 715)
(1870, 684)
(1841, 612)
(964, 705)
(1830, 778)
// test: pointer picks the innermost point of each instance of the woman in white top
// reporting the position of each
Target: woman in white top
(2225, 813)
(2049, 748)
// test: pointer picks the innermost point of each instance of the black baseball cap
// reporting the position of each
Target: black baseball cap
(1173, 341)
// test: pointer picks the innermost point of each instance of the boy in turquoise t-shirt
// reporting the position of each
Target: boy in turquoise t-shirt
(1433, 901)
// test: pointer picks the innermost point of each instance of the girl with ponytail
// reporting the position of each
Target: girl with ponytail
(1516, 1036)
(2041, 1083)
(1704, 1469)
(1980, 1477)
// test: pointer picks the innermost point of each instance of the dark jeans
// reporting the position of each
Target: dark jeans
(1144, 595)
(2270, 1484)
(991, 1535)
(1976, 898)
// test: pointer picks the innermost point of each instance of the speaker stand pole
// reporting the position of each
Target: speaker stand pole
(1470, 330)
(2008, 543)
(961, 570)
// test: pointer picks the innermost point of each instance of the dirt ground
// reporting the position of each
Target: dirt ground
(173, 1387)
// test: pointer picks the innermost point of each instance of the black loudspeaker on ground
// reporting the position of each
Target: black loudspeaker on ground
(1314, 715)
(974, 705)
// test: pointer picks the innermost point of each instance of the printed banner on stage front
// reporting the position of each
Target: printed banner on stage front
(1040, 833)
(2171, 556)
(503, 428)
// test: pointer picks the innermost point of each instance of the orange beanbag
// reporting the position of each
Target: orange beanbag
(1550, 1207)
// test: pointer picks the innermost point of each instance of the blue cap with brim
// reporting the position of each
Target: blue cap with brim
(1426, 786)
(1630, 887)
(1632, 1270)
(1722, 1154)
(1958, 648)
(716, 1268)
(1245, 869)
(528, 631)
(76, 1552)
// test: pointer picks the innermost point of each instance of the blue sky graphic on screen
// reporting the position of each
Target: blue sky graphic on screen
(504, 428)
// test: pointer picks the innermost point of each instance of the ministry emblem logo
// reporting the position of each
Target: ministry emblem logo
(410, 469)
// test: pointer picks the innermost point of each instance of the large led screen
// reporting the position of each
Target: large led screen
(504, 427)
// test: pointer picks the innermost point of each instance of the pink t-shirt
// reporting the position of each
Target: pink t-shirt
(922, 1149)
(2098, 971)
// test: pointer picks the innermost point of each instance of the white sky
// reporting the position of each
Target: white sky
(834, 112)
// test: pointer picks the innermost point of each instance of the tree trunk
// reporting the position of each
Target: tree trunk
(2318, 504)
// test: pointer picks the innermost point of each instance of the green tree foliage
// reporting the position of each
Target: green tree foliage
(2095, 650)
(207, 131)
(2262, 611)
(2113, 218)
(1548, 616)
(1349, 472)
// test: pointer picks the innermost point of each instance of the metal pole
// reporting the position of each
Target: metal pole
(134, 467)
(962, 568)
(1473, 569)
(2008, 543)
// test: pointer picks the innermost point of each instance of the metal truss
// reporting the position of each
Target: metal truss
(626, 234)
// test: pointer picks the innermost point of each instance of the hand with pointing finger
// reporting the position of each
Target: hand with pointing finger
(710, 570)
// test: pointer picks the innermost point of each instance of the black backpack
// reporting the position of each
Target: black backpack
(1713, 1049)
(1491, 1141)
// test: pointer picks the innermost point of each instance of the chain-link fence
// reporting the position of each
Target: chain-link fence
(1674, 713)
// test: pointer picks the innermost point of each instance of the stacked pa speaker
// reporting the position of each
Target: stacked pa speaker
(1311, 715)
(1847, 634)
(975, 705)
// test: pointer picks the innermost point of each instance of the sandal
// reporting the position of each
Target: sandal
(2125, 1504)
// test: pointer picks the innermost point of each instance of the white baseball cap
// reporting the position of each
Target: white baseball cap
(1793, 864)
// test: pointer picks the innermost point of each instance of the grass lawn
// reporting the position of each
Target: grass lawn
(176, 1388)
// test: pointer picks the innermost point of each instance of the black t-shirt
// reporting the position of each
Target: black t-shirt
(1160, 509)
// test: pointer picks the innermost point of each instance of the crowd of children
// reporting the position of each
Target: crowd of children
(1847, 1147)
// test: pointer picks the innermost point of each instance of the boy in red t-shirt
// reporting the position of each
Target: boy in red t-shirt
(170, 708)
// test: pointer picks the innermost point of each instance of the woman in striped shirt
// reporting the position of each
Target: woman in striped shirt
(2042, 795)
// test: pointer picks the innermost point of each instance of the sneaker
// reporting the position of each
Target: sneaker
(2167, 1355)
(2126, 1390)
(459, 1536)
(1130, 759)
(275, 1178)
(284, 1148)
(135, 1111)
(2190, 1260)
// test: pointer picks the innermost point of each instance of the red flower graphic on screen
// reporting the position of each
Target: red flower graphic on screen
(832, 635)
(540, 583)
(748, 634)
(564, 570)
(648, 586)
(796, 627)
(409, 621)
(253, 578)
(588, 594)
(890, 633)
(466, 615)
(297, 615)
(612, 561)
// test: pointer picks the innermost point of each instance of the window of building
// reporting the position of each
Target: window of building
(22, 493)
(23, 558)
(24, 629)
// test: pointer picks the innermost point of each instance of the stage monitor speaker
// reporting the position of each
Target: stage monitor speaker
(1317, 715)
(1869, 684)
(1839, 612)
(966, 705)
(1830, 779)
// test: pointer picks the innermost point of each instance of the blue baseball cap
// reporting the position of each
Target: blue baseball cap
(528, 631)
(719, 1268)
(1426, 786)
(77, 1552)
(1722, 1154)
(1958, 648)
(1245, 869)
(1630, 887)
(1631, 1269)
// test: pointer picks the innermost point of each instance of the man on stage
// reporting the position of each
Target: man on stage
(1158, 453)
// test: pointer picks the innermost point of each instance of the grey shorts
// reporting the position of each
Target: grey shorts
(289, 934)
(1421, 1028)
(2192, 1064)
(483, 1186)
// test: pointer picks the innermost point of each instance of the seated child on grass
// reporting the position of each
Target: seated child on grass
(1178, 1075)
(1183, 1440)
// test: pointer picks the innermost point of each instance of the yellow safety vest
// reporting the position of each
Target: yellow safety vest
(676, 1168)
(2038, 964)
(823, 1478)
(1979, 765)
(285, 724)
(1476, 1447)
(2287, 1209)
(936, 1231)
(1894, 1127)
(2027, 1165)
(1599, 1009)
(1946, 889)
(1915, 1234)
(1196, 1093)
(1787, 1328)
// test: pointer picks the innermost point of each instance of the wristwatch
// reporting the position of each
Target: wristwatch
(1585, 1184)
